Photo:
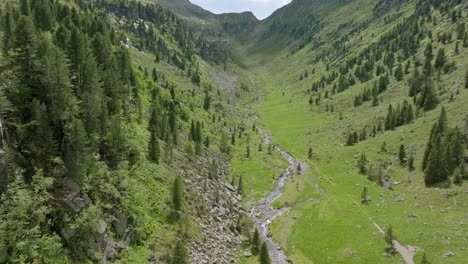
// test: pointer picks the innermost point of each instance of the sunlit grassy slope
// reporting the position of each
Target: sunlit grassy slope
(336, 228)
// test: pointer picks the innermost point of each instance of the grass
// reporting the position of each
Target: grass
(328, 229)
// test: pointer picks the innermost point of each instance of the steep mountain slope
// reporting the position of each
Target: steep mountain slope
(111, 135)
(133, 134)
(186, 9)
(358, 98)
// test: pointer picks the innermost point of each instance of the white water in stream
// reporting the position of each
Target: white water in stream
(263, 213)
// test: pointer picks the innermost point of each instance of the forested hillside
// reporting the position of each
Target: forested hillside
(110, 131)
(158, 132)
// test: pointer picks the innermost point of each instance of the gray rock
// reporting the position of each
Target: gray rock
(120, 223)
(247, 254)
(448, 254)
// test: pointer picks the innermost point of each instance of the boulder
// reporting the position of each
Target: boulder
(448, 254)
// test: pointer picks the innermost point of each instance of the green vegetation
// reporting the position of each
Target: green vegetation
(129, 134)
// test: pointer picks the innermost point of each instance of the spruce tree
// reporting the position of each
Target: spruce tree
(402, 155)
(256, 242)
(264, 255)
(440, 59)
(362, 164)
(434, 133)
(399, 73)
(443, 121)
(389, 237)
(411, 163)
(424, 259)
(248, 152)
(8, 26)
(240, 186)
(364, 199)
(77, 154)
(466, 78)
(178, 194)
(179, 255)
(25, 40)
(154, 147)
(436, 170)
(311, 153)
(459, 174)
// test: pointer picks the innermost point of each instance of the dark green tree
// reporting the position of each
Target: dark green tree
(459, 174)
(362, 164)
(389, 237)
(264, 255)
(411, 166)
(440, 59)
(154, 147)
(8, 26)
(179, 255)
(24, 47)
(424, 259)
(466, 79)
(256, 242)
(436, 170)
(178, 194)
(443, 121)
(240, 186)
(364, 198)
(77, 156)
(399, 73)
(402, 155)
(43, 17)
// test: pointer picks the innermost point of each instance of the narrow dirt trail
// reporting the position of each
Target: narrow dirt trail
(263, 213)
(406, 252)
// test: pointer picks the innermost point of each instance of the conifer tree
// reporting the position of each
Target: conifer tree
(424, 259)
(434, 133)
(154, 147)
(436, 170)
(311, 153)
(364, 199)
(411, 163)
(466, 78)
(248, 151)
(43, 17)
(459, 174)
(362, 164)
(179, 255)
(270, 151)
(402, 155)
(25, 40)
(389, 237)
(8, 26)
(264, 254)
(442, 122)
(77, 154)
(399, 73)
(440, 59)
(256, 242)
(240, 186)
(178, 194)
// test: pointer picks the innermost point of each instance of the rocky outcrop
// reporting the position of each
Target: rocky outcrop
(217, 211)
